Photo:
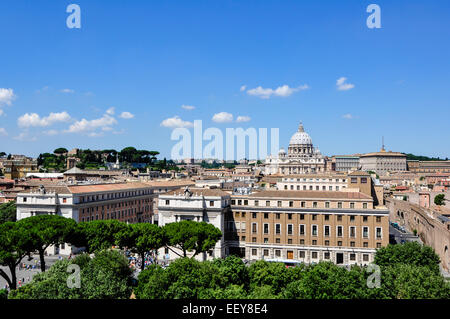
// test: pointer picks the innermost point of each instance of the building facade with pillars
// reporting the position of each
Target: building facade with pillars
(196, 204)
(302, 157)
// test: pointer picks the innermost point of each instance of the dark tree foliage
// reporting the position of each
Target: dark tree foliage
(47, 230)
(141, 238)
(106, 276)
(15, 244)
(8, 212)
(96, 235)
(411, 253)
(190, 236)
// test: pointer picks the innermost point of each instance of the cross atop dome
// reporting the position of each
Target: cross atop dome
(300, 127)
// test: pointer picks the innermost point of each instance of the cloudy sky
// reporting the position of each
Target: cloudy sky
(137, 69)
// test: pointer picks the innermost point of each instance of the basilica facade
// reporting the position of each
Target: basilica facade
(302, 157)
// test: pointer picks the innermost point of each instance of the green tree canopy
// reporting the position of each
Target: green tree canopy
(411, 253)
(141, 238)
(61, 150)
(106, 276)
(8, 212)
(14, 246)
(439, 199)
(95, 235)
(47, 230)
(192, 236)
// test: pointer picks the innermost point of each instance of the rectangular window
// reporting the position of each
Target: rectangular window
(266, 228)
(327, 217)
(211, 203)
(256, 203)
(378, 232)
(253, 215)
(314, 242)
(266, 215)
(314, 255)
(326, 255)
(339, 218)
(254, 227)
(266, 252)
(352, 231)
(167, 202)
(254, 252)
(314, 216)
(289, 216)
(302, 216)
(278, 216)
(364, 205)
(378, 219)
(365, 257)
(314, 230)
(352, 257)
(314, 204)
(327, 204)
(303, 204)
(352, 205)
(339, 204)
(353, 180)
(277, 253)
(352, 218)
(365, 232)
(277, 229)
(363, 180)
(268, 203)
(289, 229)
(279, 203)
(301, 254)
(326, 231)
(339, 231)
(327, 243)
(302, 230)
(291, 204)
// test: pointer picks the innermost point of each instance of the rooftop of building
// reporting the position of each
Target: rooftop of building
(309, 194)
(209, 192)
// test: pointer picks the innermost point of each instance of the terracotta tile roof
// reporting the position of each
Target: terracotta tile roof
(78, 189)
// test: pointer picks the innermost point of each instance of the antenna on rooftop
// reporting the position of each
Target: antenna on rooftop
(382, 143)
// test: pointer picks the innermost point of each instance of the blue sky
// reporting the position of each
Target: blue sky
(148, 58)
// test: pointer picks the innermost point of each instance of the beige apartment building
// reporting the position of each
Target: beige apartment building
(306, 226)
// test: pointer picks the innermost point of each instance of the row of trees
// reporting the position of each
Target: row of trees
(56, 161)
(35, 234)
(406, 271)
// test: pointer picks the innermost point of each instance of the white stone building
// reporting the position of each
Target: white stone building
(302, 157)
(196, 204)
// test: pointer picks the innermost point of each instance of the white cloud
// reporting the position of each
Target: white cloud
(176, 121)
(126, 115)
(34, 120)
(188, 107)
(110, 111)
(3, 132)
(7, 96)
(282, 91)
(25, 138)
(88, 126)
(223, 117)
(70, 91)
(348, 116)
(342, 86)
(243, 119)
(1, 112)
(242, 89)
(51, 132)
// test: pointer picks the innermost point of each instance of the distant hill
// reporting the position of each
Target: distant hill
(423, 158)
